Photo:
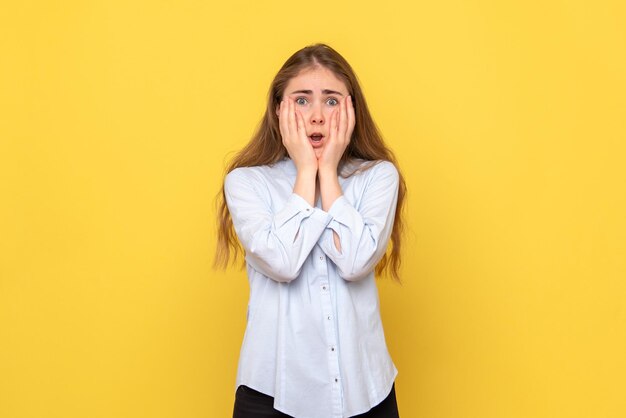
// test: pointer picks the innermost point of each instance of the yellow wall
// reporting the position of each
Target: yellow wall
(509, 122)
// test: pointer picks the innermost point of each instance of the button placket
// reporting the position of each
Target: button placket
(333, 355)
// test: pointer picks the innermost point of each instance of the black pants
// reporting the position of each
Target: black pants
(250, 403)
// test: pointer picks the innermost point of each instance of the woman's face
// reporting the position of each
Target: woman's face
(316, 93)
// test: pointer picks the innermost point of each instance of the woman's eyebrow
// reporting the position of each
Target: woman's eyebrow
(325, 91)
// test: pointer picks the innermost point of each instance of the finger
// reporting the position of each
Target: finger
(351, 117)
(350, 109)
(293, 130)
(333, 125)
(282, 119)
(343, 119)
(301, 128)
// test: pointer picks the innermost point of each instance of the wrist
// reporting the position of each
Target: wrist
(327, 171)
(307, 171)
(330, 189)
(305, 185)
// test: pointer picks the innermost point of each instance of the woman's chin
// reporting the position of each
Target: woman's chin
(318, 152)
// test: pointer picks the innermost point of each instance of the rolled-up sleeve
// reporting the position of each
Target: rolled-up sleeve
(276, 243)
(363, 230)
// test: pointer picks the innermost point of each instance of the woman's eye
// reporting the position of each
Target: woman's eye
(301, 100)
(333, 102)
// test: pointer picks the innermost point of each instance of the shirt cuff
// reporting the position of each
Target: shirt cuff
(297, 206)
(343, 212)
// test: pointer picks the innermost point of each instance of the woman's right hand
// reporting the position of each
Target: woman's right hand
(293, 132)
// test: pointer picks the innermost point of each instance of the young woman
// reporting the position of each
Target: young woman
(314, 199)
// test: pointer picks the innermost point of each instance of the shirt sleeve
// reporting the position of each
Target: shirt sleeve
(276, 243)
(363, 231)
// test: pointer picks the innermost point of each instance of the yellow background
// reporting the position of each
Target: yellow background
(508, 119)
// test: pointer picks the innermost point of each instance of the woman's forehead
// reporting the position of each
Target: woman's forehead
(316, 80)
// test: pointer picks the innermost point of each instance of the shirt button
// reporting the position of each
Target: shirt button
(323, 287)
(321, 257)
(336, 380)
(332, 348)
(328, 317)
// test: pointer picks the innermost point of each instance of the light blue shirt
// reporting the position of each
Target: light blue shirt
(314, 338)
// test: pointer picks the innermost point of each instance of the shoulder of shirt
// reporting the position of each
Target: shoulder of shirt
(370, 168)
(387, 166)
(253, 173)
(355, 167)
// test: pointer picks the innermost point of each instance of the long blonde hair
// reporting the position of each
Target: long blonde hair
(266, 148)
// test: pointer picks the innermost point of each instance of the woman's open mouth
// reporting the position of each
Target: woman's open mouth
(316, 139)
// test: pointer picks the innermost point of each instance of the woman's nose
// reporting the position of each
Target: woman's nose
(317, 116)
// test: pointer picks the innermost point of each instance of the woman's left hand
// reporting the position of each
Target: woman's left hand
(341, 127)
